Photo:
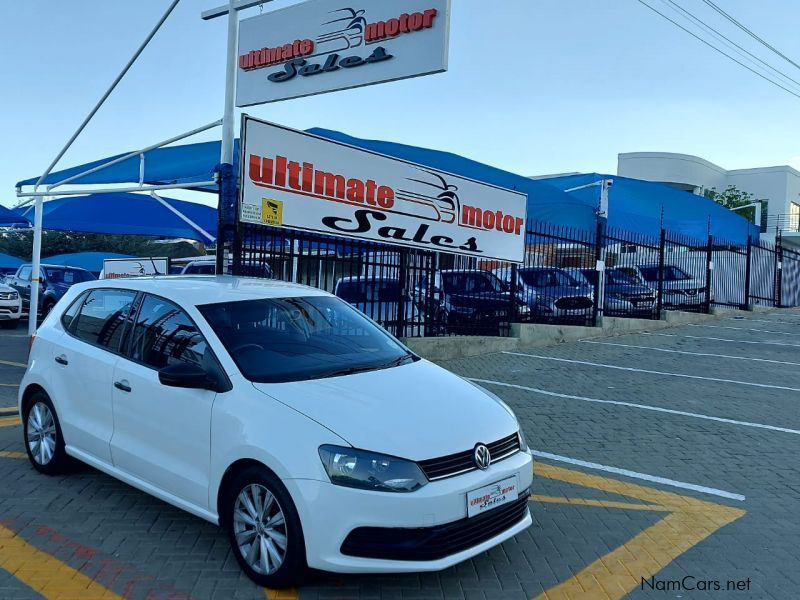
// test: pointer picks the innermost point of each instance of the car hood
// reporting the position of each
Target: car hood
(481, 300)
(629, 290)
(561, 291)
(416, 411)
(683, 284)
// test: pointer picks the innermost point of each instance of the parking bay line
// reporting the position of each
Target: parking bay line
(639, 406)
(716, 339)
(11, 363)
(631, 369)
(689, 521)
(636, 475)
(8, 409)
(44, 573)
(766, 360)
(741, 329)
(9, 421)
(10, 454)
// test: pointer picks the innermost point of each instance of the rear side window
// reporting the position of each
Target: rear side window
(164, 335)
(100, 319)
(69, 314)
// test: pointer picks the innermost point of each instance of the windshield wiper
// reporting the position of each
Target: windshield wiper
(365, 368)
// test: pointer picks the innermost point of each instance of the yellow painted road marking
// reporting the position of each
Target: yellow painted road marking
(600, 503)
(44, 574)
(287, 594)
(11, 363)
(9, 385)
(613, 576)
(8, 409)
(9, 421)
(9, 454)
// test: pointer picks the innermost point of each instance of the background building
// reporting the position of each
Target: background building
(779, 186)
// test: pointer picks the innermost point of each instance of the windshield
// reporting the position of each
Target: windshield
(671, 273)
(276, 340)
(471, 283)
(546, 278)
(361, 291)
(68, 276)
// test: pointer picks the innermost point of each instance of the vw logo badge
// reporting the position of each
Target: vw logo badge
(483, 457)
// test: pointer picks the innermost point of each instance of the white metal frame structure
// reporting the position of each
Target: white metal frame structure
(227, 123)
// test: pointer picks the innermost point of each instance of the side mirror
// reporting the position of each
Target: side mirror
(184, 375)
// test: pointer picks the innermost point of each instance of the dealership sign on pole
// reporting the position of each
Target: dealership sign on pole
(301, 181)
(327, 45)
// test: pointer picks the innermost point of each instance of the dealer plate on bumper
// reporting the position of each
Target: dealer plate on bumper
(492, 495)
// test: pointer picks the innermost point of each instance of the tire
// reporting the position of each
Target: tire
(9, 324)
(240, 519)
(44, 441)
(46, 308)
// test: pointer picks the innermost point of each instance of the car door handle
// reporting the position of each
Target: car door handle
(62, 360)
(122, 385)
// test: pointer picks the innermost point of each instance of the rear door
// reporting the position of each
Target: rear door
(162, 433)
(83, 364)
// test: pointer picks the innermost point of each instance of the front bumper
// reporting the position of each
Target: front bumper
(329, 513)
(10, 310)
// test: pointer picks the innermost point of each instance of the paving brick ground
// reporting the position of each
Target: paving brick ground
(139, 547)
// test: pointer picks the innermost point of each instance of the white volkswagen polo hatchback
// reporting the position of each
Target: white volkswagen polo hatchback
(283, 414)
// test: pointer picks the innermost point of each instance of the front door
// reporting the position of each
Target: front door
(162, 433)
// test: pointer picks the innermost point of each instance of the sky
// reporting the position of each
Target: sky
(533, 86)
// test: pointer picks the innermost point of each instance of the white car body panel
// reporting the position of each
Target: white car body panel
(425, 424)
(177, 444)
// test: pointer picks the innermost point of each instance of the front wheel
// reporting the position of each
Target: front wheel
(264, 529)
(44, 441)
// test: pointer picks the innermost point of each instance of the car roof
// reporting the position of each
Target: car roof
(48, 266)
(197, 290)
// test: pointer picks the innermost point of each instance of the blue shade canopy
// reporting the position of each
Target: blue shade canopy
(186, 164)
(129, 214)
(8, 262)
(8, 218)
(635, 205)
(91, 261)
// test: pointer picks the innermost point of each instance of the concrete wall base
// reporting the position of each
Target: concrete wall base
(534, 335)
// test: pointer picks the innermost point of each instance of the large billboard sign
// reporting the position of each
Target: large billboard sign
(301, 181)
(327, 45)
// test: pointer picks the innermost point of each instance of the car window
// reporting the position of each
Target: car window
(209, 269)
(472, 283)
(275, 340)
(379, 290)
(164, 335)
(101, 317)
(69, 314)
(25, 274)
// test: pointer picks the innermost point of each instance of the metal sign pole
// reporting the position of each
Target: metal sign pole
(227, 199)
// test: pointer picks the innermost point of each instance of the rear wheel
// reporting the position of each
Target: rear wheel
(264, 529)
(44, 441)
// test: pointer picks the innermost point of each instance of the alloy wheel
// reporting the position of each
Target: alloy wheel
(259, 526)
(41, 429)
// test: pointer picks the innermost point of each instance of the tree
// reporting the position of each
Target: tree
(732, 198)
(19, 243)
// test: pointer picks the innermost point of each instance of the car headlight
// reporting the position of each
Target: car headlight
(13, 296)
(370, 471)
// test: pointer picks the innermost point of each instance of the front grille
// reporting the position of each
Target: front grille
(433, 543)
(8, 295)
(573, 303)
(462, 462)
